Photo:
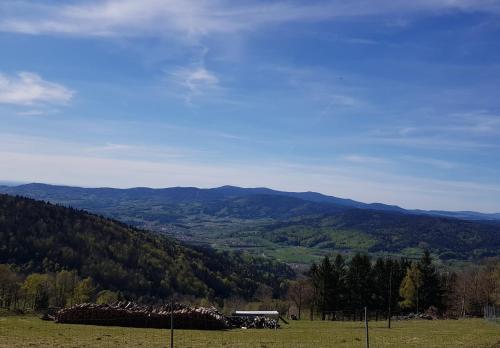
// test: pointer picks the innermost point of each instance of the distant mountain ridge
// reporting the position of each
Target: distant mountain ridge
(294, 227)
(179, 195)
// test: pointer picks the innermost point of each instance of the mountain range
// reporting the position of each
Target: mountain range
(176, 195)
(295, 227)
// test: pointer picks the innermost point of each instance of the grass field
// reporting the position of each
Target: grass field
(29, 331)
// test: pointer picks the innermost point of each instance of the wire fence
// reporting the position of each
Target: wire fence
(30, 331)
(492, 312)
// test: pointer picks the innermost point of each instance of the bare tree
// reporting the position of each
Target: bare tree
(300, 292)
(9, 287)
(476, 287)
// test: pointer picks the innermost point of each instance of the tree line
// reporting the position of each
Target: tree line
(43, 290)
(400, 286)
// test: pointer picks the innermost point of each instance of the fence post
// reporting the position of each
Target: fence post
(389, 313)
(366, 328)
(172, 324)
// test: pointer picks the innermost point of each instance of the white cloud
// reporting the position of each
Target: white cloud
(194, 82)
(197, 80)
(202, 17)
(28, 88)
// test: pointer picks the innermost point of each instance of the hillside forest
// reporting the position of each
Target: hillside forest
(295, 228)
(54, 256)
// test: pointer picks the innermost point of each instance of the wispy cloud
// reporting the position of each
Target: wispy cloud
(130, 151)
(374, 161)
(27, 88)
(473, 124)
(466, 130)
(195, 81)
(479, 122)
(325, 87)
(430, 142)
(343, 100)
(437, 163)
(201, 17)
(32, 112)
(137, 151)
(361, 159)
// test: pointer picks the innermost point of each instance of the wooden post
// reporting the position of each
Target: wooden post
(366, 328)
(172, 324)
(389, 314)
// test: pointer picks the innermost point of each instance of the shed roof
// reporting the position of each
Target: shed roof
(256, 313)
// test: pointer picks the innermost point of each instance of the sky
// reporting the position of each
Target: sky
(374, 100)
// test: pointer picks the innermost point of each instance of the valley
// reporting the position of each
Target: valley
(281, 225)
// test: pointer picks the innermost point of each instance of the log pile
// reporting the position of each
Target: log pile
(130, 314)
(413, 316)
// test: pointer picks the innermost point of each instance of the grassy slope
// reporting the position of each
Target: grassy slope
(16, 332)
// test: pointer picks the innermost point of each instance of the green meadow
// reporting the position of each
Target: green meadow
(30, 331)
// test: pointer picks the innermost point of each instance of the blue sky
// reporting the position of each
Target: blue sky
(389, 101)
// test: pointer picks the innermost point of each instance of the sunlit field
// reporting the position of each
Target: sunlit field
(29, 331)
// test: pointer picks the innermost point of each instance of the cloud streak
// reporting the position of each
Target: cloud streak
(361, 159)
(195, 81)
(28, 88)
(437, 163)
(195, 18)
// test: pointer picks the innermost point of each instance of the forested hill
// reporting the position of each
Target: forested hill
(376, 231)
(40, 237)
(293, 227)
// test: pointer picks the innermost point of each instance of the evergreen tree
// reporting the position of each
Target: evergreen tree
(431, 292)
(315, 281)
(326, 286)
(360, 282)
(340, 295)
(381, 276)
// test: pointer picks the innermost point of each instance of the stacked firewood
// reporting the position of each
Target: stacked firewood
(133, 315)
